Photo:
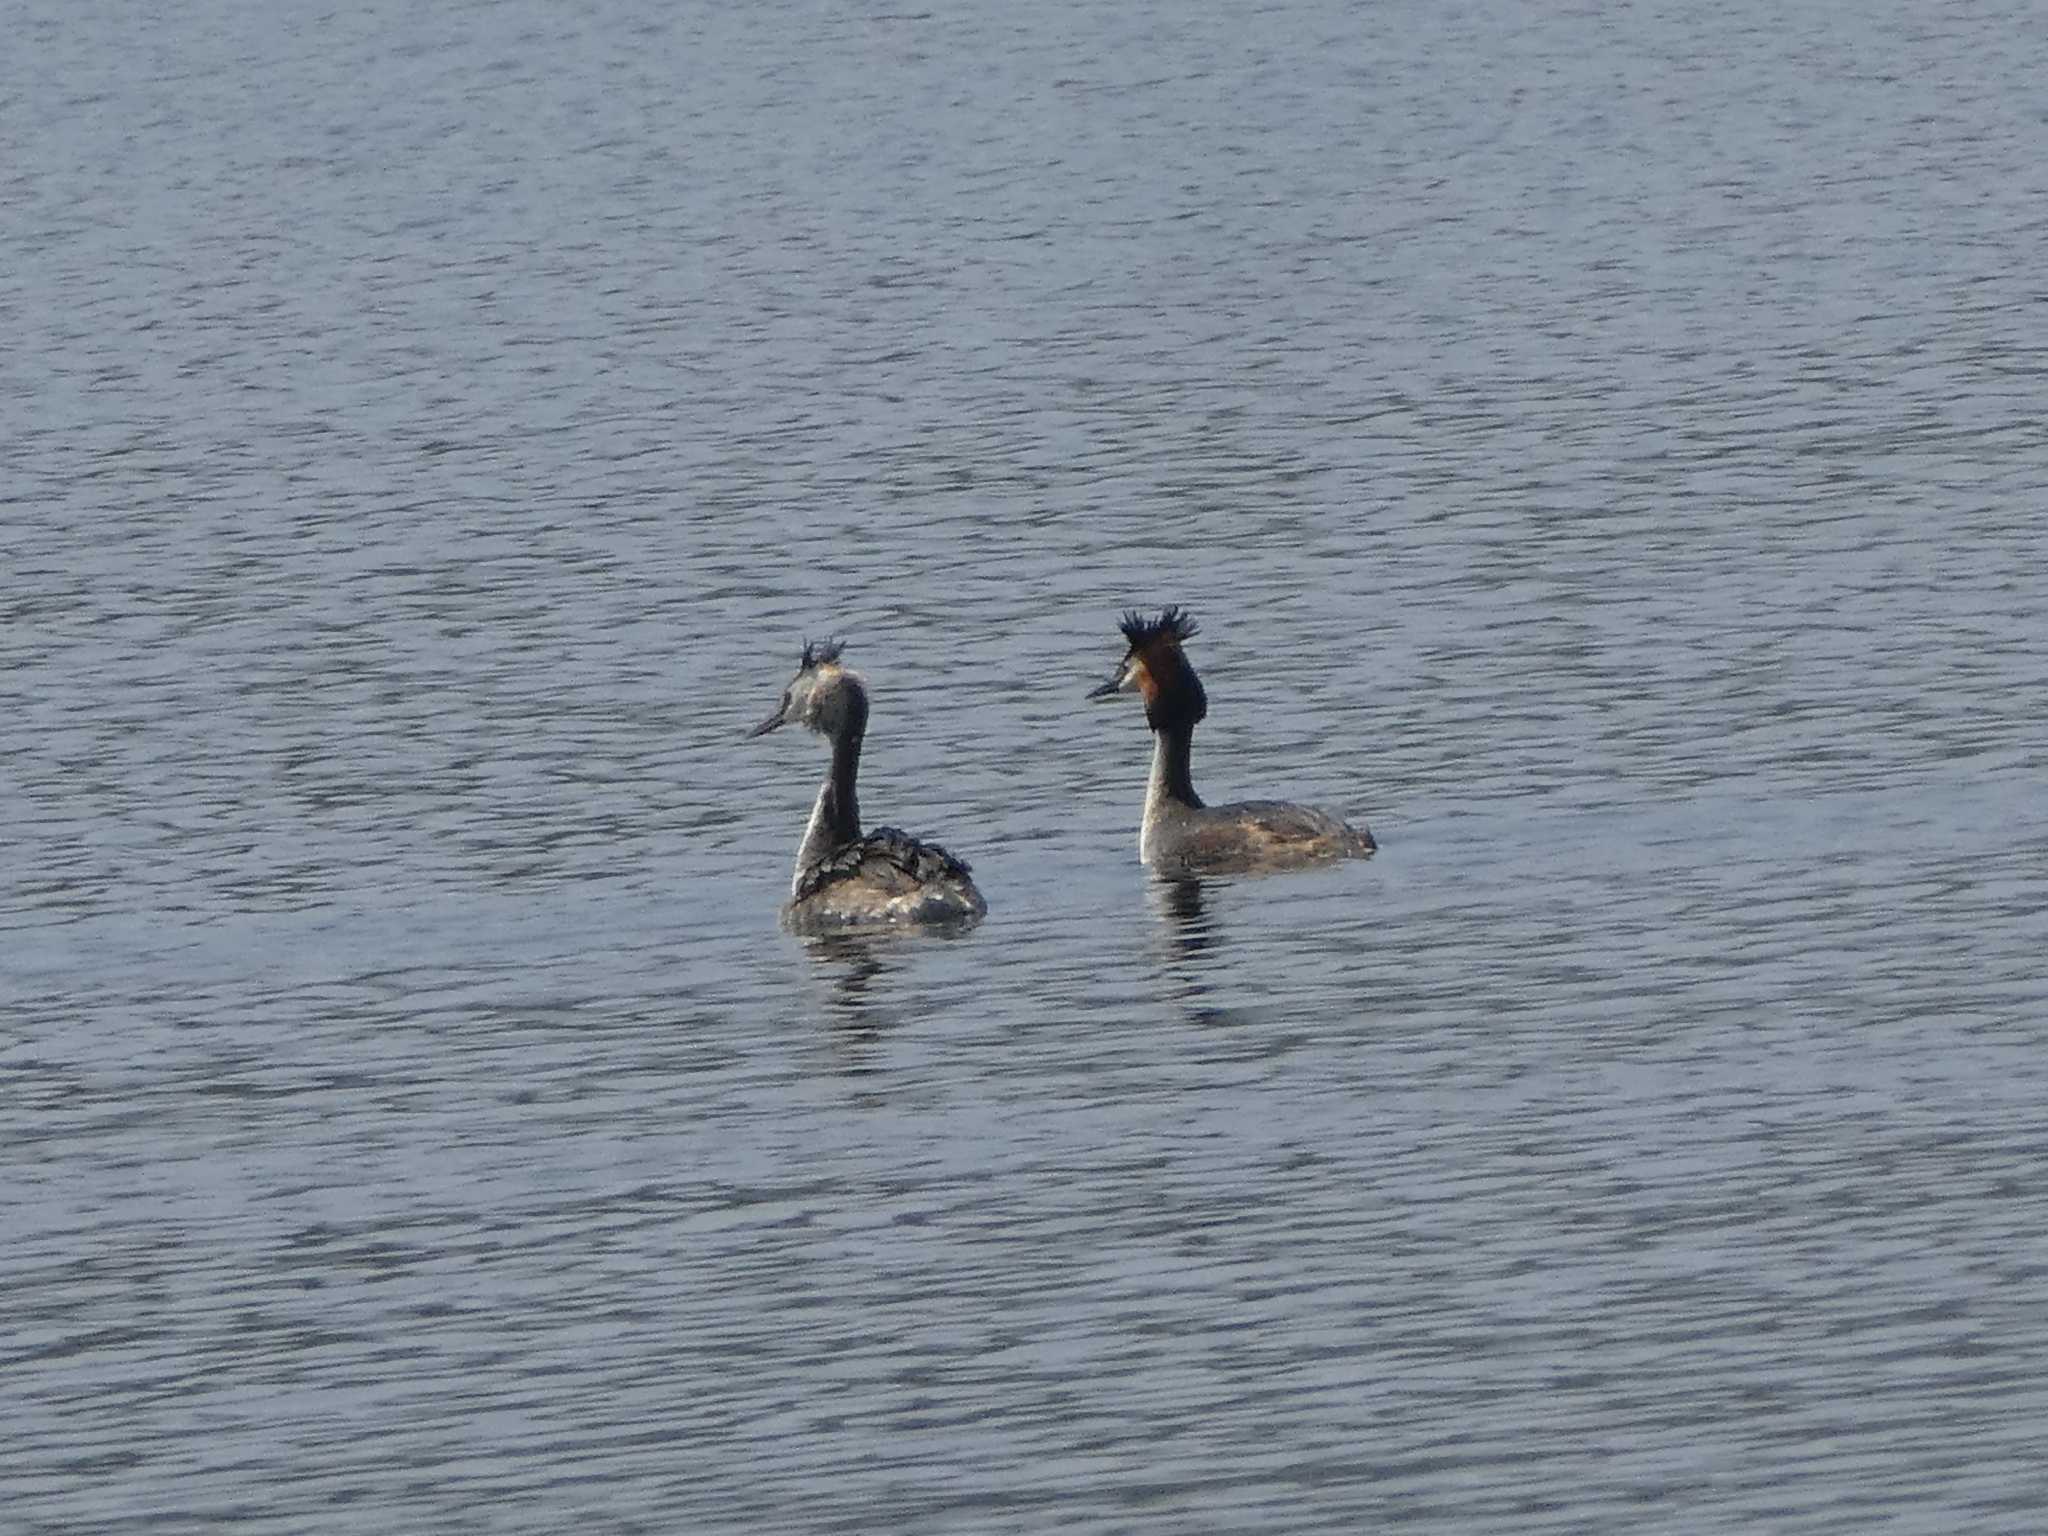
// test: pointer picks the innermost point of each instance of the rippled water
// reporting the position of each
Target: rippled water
(1605, 451)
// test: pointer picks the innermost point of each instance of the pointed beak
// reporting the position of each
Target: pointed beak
(766, 726)
(1107, 690)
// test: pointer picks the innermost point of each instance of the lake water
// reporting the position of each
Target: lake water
(1604, 447)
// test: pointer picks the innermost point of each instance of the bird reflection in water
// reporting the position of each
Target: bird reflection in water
(859, 971)
(848, 964)
(1189, 927)
(1191, 933)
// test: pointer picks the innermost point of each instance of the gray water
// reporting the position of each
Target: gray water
(1605, 450)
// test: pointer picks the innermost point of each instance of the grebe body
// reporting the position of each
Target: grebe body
(845, 877)
(1180, 835)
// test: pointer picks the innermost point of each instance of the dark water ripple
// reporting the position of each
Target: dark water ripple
(1604, 449)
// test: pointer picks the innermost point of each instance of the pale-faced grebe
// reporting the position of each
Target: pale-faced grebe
(843, 877)
(1180, 835)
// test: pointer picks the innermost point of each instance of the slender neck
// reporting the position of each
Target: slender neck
(837, 793)
(835, 819)
(1174, 706)
(1170, 778)
(1170, 790)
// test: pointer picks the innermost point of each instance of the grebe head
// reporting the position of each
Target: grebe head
(1156, 668)
(823, 696)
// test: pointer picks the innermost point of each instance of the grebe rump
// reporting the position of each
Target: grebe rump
(1180, 835)
(842, 876)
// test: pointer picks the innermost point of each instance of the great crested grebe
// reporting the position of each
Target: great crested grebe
(1180, 835)
(842, 876)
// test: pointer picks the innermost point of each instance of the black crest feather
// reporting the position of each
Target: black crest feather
(822, 653)
(1174, 623)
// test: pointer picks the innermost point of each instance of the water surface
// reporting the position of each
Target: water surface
(1604, 451)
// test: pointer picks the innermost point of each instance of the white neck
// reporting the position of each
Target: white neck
(1155, 798)
(817, 838)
